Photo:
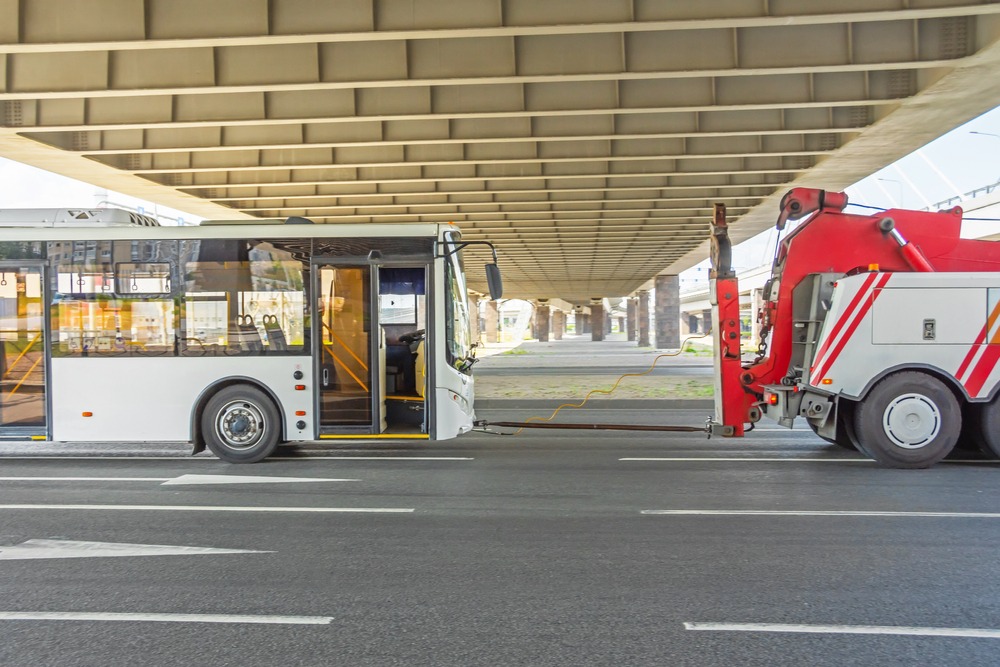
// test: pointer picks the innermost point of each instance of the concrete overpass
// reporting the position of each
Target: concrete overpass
(588, 138)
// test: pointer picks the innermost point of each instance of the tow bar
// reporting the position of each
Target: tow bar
(708, 429)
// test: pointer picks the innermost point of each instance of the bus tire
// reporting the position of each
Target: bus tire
(241, 424)
(989, 428)
(908, 420)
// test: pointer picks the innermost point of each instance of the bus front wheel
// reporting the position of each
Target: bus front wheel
(241, 424)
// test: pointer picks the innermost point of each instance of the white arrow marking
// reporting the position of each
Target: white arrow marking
(237, 479)
(162, 618)
(72, 549)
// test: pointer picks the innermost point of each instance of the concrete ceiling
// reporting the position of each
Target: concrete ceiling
(587, 138)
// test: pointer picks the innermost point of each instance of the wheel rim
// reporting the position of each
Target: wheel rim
(240, 425)
(911, 421)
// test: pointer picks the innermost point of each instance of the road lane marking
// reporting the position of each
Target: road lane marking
(36, 549)
(244, 479)
(84, 479)
(212, 459)
(944, 515)
(986, 633)
(783, 459)
(163, 618)
(183, 480)
(211, 508)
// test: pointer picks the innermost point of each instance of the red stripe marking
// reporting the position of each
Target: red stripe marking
(980, 339)
(983, 369)
(844, 318)
(855, 323)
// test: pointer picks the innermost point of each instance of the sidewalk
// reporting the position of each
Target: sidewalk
(566, 370)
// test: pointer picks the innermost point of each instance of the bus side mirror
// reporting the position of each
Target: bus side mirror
(494, 280)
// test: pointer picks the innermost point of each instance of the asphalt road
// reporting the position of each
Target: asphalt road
(548, 548)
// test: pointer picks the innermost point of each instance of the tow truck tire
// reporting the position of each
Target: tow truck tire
(847, 437)
(241, 424)
(989, 426)
(908, 420)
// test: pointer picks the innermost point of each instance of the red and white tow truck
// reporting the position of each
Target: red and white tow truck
(881, 331)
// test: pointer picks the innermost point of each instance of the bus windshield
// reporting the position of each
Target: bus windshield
(458, 333)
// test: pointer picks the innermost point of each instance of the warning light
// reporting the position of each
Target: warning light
(826, 381)
(772, 399)
(300, 387)
(88, 414)
(873, 267)
(300, 413)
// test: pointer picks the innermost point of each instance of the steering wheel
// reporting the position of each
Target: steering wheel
(412, 336)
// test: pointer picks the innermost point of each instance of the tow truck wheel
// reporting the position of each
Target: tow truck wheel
(989, 426)
(241, 424)
(908, 420)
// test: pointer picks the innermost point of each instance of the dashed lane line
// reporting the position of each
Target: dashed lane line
(780, 459)
(987, 633)
(858, 513)
(216, 508)
(239, 619)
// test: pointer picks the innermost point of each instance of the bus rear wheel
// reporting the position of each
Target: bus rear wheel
(908, 420)
(241, 424)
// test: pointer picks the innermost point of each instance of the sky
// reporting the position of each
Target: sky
(963, 160)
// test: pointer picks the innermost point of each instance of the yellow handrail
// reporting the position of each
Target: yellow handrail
(344, 345)
(345, 367)
(24, 352)
(25, 377)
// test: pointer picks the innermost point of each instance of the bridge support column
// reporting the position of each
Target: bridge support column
(642, 318)
(542, 317)
(597, 321)
(474, 318)
(668, 313)
(558, 324)
(492, 321)
(630, 310)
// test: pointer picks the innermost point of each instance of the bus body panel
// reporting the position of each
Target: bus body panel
(153, 399)
(455, 412)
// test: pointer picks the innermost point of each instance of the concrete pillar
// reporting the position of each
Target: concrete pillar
(607, 322)
(542, 314)
(474, 317)
(597, 321)
(558, 324)
(706, 320)
(621, 325)
(642, 318)
(630, 315)
(667, 313)
(492, 321)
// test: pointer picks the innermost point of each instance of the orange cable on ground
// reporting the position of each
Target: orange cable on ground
(615, 386)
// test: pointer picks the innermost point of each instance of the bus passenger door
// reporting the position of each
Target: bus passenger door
(22, 352)
(348, 347)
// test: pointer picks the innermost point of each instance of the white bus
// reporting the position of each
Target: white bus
(236, 336)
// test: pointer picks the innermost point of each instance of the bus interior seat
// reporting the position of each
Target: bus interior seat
(275, 335)
(244, 337)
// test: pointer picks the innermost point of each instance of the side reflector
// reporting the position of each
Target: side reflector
(300, 413)
(300, 387)
(873, 267)
(826, 381)
(88, 414)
